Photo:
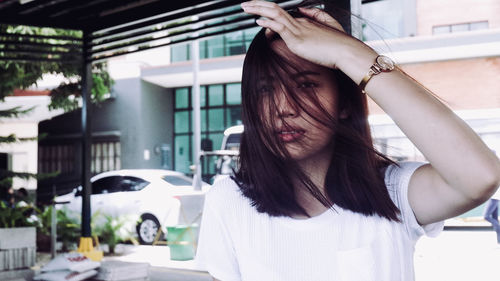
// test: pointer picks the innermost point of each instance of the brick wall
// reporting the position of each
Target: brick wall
(443, 12)
(461, 84)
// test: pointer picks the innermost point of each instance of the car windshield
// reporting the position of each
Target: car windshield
(177, 180)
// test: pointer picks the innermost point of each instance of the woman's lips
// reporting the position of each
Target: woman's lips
(290, 135)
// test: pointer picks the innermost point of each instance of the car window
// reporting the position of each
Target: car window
(107, 185)
(132, 184)
(177, 180)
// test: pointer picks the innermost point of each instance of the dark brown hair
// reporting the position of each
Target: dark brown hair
(355, 178)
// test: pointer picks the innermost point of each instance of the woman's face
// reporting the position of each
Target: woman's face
(303, 136)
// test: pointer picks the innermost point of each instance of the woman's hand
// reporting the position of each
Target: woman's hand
(317, 37)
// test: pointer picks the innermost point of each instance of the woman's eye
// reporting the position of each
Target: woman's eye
(266, 89)
(307, 85)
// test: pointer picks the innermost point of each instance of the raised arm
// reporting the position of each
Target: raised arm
(462, 173)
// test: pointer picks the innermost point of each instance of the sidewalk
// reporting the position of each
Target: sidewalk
(458, 255)
(461, 255)
(162, 267)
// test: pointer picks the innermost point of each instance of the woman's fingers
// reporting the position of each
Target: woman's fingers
(271, 11)
(321, 17)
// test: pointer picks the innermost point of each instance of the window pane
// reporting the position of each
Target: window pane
(233, 116)
(203, 120)
(249, 35)
(179, 52)
(441, 29)
(216, 119)
(203, 49)
(182, 152)
(384, 18)
(182, 121)
(460, 27)
(215, 47)
(215, 95)
(233, 92)
(182, 98)
(176, 180)
(216, 139)
(479, 25)
(203, 96)
(234, 43)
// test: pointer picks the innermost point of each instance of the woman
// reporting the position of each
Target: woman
(312, 199)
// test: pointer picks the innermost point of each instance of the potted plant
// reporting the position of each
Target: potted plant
(17, 237)
(114, 229)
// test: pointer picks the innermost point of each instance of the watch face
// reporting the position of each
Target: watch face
(385, 63)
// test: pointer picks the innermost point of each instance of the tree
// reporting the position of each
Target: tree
(18, 74)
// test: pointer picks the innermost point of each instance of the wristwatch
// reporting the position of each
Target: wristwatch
(382, 64)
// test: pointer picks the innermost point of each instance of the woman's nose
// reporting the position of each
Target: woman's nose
(285, 107)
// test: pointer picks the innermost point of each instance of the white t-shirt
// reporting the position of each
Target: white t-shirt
(238, 243)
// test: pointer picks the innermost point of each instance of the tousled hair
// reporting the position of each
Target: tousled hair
(355, 177)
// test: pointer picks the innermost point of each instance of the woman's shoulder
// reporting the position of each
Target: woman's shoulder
(224, 189)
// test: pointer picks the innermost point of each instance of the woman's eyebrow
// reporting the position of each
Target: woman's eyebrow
(305, 73)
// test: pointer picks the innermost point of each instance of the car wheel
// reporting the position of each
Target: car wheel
(147, 229)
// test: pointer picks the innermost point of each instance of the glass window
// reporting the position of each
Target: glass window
(203, 96)
(215, 47)
(106, 185)
(182, 153)
(233, 92)
(215, 95)
(182, 98)
(442, 29)
(179, 52)
(203, 49)
(233, 116)
(178, 181)
(479, 25)
(249, 35)
(182, 121)
(203, 120)
(234, 43)
(216, 119)
(460, 27)
(384, 20)
(216, 139)
(132, 184)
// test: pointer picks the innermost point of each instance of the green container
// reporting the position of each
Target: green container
(181, 240)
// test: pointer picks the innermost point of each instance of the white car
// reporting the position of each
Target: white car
(155, 198)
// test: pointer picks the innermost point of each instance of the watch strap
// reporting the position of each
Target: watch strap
(374, 70)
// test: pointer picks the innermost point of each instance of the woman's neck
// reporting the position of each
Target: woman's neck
(315, 168)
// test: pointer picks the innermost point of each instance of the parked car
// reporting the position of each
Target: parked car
(153, 198)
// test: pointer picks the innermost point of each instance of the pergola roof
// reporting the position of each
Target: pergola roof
(90, 15)
(115, 27)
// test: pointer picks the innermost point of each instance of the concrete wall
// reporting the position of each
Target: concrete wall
(157, 112)
(123, 114)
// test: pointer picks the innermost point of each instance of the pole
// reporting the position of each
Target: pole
(195, 54)
(86, 246)
(53, 225)
(86, 140)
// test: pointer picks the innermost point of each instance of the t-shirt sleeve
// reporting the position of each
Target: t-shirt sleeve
(215, 252)
(397, 179)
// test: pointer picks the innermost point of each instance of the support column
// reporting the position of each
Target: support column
(86, 244)
(195, 55)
